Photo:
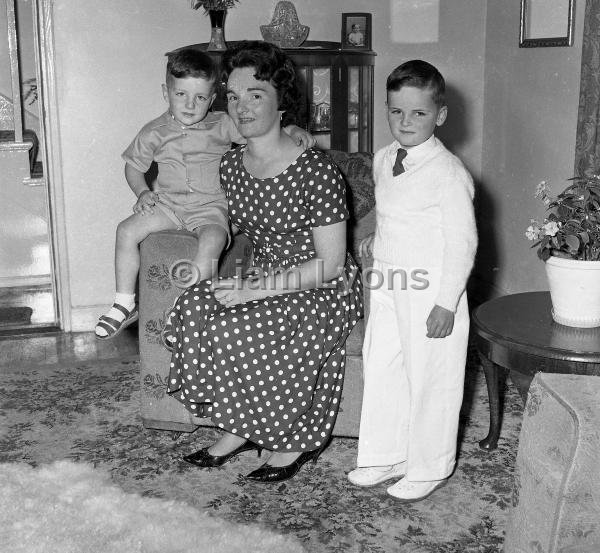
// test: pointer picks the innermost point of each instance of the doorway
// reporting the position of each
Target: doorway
(28, 279)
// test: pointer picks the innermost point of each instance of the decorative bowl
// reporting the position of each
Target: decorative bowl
(285, 29)
(284, 36)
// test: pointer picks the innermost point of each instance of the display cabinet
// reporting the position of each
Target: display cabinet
(337, 93)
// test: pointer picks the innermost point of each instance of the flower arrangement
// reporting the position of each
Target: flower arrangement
(572, 227)
(213, 4)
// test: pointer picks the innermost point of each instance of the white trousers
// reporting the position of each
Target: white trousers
(413, 384)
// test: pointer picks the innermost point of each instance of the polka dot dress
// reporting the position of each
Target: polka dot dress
(271, 370)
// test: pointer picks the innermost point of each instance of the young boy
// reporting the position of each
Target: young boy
(356, 37)
(416, 336)
(187, 143)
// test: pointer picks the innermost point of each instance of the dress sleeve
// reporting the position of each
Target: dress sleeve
(226, 169)
(140, 153)
(325, 192)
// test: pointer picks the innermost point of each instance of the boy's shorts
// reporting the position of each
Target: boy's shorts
(194, 213)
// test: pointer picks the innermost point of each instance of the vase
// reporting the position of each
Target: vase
(217, 24)
(575, 291)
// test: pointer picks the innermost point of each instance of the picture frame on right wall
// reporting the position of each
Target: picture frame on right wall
(546, 23)
(356, 31)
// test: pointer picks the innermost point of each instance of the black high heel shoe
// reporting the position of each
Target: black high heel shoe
(202, 458)
(269, 473)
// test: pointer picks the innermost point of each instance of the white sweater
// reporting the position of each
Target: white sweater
(425, 217)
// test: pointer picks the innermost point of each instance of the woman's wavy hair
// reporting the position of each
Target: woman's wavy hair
(272, 64)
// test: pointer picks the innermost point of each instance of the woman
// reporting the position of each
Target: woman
(264, 356)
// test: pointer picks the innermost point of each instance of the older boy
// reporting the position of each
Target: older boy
(416, 337)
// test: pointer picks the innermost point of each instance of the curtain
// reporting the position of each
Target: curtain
(587, 148)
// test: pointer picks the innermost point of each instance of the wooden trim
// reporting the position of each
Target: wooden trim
(13, 54)
(43, 11)
(85, 318)
(20, 281)
(34, 181)
(16, 146)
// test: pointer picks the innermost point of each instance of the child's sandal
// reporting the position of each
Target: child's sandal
(112, 326)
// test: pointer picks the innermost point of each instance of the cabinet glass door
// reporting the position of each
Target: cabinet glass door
(353, 108)
(317, 91)
(359, 108)
(337, 107)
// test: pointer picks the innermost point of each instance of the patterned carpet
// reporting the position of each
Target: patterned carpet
(90, 413)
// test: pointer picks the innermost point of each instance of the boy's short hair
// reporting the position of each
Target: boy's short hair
(188, 62)
(420, 74)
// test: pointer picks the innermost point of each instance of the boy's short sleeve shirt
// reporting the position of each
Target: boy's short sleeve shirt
(188, 157)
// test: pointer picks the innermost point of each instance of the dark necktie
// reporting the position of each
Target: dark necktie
(398, 167)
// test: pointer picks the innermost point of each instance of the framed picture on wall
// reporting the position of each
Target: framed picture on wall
(356, 31)
(546, 23)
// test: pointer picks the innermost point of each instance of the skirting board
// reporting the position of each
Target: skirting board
(24, 281)
(84, 319)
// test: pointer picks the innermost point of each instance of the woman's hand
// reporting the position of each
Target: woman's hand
(365, 248)
(440, 322)
(234, 291)
(145, 202)
(300, 136)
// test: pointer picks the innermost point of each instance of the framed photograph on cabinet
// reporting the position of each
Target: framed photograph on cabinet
(356, 31)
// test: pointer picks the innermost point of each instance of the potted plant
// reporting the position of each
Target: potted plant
(216, 10)
(568, 241)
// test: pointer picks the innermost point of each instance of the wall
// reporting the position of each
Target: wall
(456, 44)
(530, 119)
(109, 67)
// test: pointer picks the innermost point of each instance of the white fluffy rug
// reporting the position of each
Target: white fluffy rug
(73, 508)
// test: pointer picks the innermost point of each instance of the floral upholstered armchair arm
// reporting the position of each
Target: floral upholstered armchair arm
(357, 169)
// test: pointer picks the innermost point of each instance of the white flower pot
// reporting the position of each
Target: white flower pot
(575, 291)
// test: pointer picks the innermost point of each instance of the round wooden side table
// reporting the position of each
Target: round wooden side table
(517, 333)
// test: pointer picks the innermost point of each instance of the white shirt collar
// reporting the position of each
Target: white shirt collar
(415, 154)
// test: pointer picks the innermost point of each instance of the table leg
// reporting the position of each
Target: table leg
(492, 373)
